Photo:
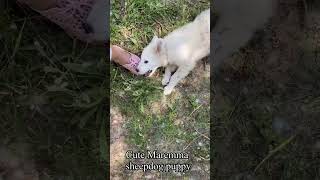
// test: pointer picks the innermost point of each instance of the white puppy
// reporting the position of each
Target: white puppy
(180, 50)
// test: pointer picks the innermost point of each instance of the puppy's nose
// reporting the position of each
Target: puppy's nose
(137, 69)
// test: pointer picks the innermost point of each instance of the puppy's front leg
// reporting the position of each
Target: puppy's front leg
(181, 73)
(167, 74)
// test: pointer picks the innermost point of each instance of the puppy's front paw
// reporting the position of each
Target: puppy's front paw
(167, 90)
(165, 81)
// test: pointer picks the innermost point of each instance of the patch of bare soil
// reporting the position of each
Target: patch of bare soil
(118, 146)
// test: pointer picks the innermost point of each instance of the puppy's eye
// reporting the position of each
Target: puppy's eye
(146, 62)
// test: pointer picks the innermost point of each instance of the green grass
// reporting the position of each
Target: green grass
(143, 19)
(53, 97)
(133, 28)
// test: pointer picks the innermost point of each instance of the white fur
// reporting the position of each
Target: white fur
(180, 50)
(237, 23)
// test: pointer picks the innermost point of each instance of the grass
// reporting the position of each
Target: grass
(53, 97)
(152, 121)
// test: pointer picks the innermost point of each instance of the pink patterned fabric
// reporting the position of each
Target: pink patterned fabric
(70, 15)
(134, 61)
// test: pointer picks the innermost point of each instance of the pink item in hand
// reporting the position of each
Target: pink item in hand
(133, 63)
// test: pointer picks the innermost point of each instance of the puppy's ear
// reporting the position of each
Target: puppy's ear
(159, 45)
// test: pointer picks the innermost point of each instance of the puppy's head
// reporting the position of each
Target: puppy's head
(152, 57)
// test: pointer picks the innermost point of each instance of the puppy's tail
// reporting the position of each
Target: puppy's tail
(204, 18)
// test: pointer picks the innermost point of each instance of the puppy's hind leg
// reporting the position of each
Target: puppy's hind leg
(181, 73)
(167, 74)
